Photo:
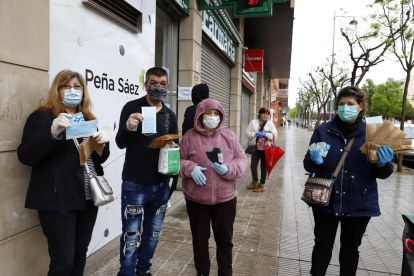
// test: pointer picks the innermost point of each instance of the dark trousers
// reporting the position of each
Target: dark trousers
(259, 155)
(222, 218)
(352, 231)
(68, 239)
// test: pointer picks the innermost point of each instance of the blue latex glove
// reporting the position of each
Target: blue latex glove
(263, 134)
(260, 134)
(198, 176)
(316, 156)
(385, 154)
(220, 169)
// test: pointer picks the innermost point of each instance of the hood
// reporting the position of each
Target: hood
(199, 93)
(204, 106)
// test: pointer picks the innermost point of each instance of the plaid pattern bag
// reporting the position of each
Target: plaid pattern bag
(317, 189)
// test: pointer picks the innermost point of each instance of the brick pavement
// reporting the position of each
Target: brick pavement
(273, 231)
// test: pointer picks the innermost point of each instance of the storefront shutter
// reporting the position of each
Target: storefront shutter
(215, 71)
(245, 115)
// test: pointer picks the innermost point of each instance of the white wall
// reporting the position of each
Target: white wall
(72, 21)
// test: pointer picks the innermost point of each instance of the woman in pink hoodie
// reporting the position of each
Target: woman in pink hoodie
(210, 188)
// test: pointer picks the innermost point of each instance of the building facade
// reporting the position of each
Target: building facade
(113, 51)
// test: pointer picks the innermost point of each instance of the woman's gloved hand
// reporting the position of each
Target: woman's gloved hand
(385, 154)
(260, 134)
(101, 137)
(198, 176)
(316, 156)
(60, 124)
(220, 169)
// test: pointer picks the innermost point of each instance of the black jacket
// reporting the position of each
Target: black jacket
(57, 181)
(141, 162)
(198, 94)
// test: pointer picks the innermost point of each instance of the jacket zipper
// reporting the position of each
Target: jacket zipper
(342, 177)
(212, 186)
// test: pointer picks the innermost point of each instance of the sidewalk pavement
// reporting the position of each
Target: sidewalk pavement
(273, 230)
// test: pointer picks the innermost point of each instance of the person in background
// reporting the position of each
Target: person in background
(144, 189)
(354, 198)
(198, 93)
(59, 185)
(260, 139)
(210, 188)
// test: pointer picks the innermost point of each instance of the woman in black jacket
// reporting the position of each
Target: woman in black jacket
(59, 186)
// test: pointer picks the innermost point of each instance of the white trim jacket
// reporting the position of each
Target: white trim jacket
(253, 127)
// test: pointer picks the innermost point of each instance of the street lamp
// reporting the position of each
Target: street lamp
(353, 23)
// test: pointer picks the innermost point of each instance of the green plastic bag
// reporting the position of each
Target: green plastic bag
(169, 160)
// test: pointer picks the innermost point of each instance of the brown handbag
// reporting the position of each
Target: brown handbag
(318, 190)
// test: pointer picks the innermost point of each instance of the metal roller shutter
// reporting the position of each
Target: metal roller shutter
(245, 115)
(216, 73)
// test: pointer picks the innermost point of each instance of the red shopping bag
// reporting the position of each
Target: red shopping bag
(273, 154)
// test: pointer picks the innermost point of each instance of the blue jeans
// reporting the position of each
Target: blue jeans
(146, 203)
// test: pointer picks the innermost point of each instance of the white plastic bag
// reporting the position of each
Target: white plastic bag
(169, 160)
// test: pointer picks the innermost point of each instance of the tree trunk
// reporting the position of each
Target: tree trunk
(407, 82)
(324, 113)
(318, 118)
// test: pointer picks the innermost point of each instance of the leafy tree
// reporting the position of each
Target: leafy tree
(368, 47)
(319, 87)
(337, 76)
(388, 100)
(369, 88)
(293, 112)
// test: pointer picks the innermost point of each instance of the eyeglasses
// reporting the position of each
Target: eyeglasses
(68, 86)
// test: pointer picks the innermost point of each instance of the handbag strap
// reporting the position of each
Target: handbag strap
(261, 129)
(86, 163)
(341, 162)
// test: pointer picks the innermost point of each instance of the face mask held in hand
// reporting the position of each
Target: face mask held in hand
(211, 122)
(157, 92)
(347, 113)
(72, 97)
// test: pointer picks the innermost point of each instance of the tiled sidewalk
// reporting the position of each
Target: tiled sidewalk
(273, 231)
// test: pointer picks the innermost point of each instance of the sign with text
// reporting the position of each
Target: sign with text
(253, 60)
(252, 8)
(184, 93)
(213, 28)
(273, 97)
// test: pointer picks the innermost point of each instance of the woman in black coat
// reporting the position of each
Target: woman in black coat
(59, 186)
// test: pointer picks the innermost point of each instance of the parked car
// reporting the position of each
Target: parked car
(313, 126)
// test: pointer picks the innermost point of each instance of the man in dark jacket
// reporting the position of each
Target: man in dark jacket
(144, 189)
(198, 94)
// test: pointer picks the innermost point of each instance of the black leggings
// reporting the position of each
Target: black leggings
(68, 239)
(259, 155)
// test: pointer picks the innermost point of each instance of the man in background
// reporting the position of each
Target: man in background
(198, 94)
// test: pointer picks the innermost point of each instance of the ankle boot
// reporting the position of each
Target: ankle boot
(260, 188)
(253, 185)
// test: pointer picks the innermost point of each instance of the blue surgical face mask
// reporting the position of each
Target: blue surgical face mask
(72, 97)
(347, 113)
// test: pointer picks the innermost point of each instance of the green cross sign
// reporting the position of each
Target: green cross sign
(243, 8)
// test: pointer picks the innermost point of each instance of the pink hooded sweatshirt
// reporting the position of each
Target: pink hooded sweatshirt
(193, 148)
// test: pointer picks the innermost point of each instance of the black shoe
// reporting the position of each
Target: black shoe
(146, 274)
